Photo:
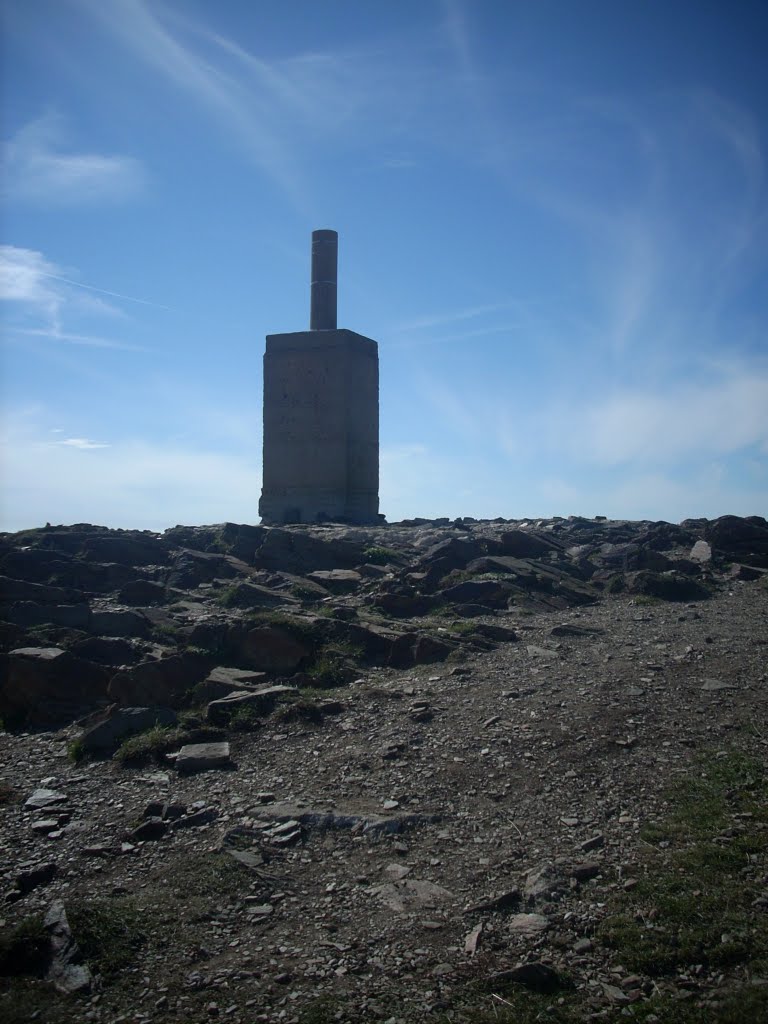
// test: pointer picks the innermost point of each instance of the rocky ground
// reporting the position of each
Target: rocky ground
(426, 771)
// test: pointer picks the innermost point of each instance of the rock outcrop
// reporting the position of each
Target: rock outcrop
(90, 615)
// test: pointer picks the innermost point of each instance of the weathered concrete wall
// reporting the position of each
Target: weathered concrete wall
(321, 428)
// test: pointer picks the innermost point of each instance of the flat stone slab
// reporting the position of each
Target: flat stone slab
(44, 798)
(542, 652)
(236, 677)
(199, 757)
(338, 581)
(261, 699)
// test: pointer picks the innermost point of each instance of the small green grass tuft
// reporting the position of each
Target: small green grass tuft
(152, 744)
(25, 949)
(462, 627)
(333, 665)
(229, 597)
(167, 631)
(76, 751)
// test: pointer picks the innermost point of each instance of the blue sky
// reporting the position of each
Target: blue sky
(552, 217)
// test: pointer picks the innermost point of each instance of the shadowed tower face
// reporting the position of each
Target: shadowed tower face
(321, 413)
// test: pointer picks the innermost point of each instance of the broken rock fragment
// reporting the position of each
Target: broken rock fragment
(410, 895)
(42, 798)
(66, 972)
(528, 924)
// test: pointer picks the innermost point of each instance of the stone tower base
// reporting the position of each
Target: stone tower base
(321, 428)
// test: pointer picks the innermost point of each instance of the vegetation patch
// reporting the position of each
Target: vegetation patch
(168, 631)
(695, 904)
(244, 719)
(380, 555)
(305, 593)
(300, 710)
(230, 597)
(323, 1010)
(334, 665)
(201, 880)
(462, 627)
(151, 745)
(24, 949)
(8, 794)
(108, 933)
(76, 751)
(505, 1003)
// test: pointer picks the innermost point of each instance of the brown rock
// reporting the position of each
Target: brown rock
(47, 684)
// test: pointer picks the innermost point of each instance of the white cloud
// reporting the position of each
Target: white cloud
(24, 279)
(40, 167)
(641, 429)
(83, 443)
(693, 421)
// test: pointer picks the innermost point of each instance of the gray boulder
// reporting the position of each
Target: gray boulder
(119, 622)
(273, 649)
(164, 682)
(118, 723)
(301, 552)
(29, 613)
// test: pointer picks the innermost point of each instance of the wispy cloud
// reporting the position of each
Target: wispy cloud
(400, 163)
(681, 233)
(45, 297)
(442, 319)
(41, 165)
(251, 114)
(103, 291)
(284, 111)
(89, 340)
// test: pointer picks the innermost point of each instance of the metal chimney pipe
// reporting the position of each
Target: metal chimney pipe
(322, 316)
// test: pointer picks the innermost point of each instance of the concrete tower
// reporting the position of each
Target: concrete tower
(321, 413)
